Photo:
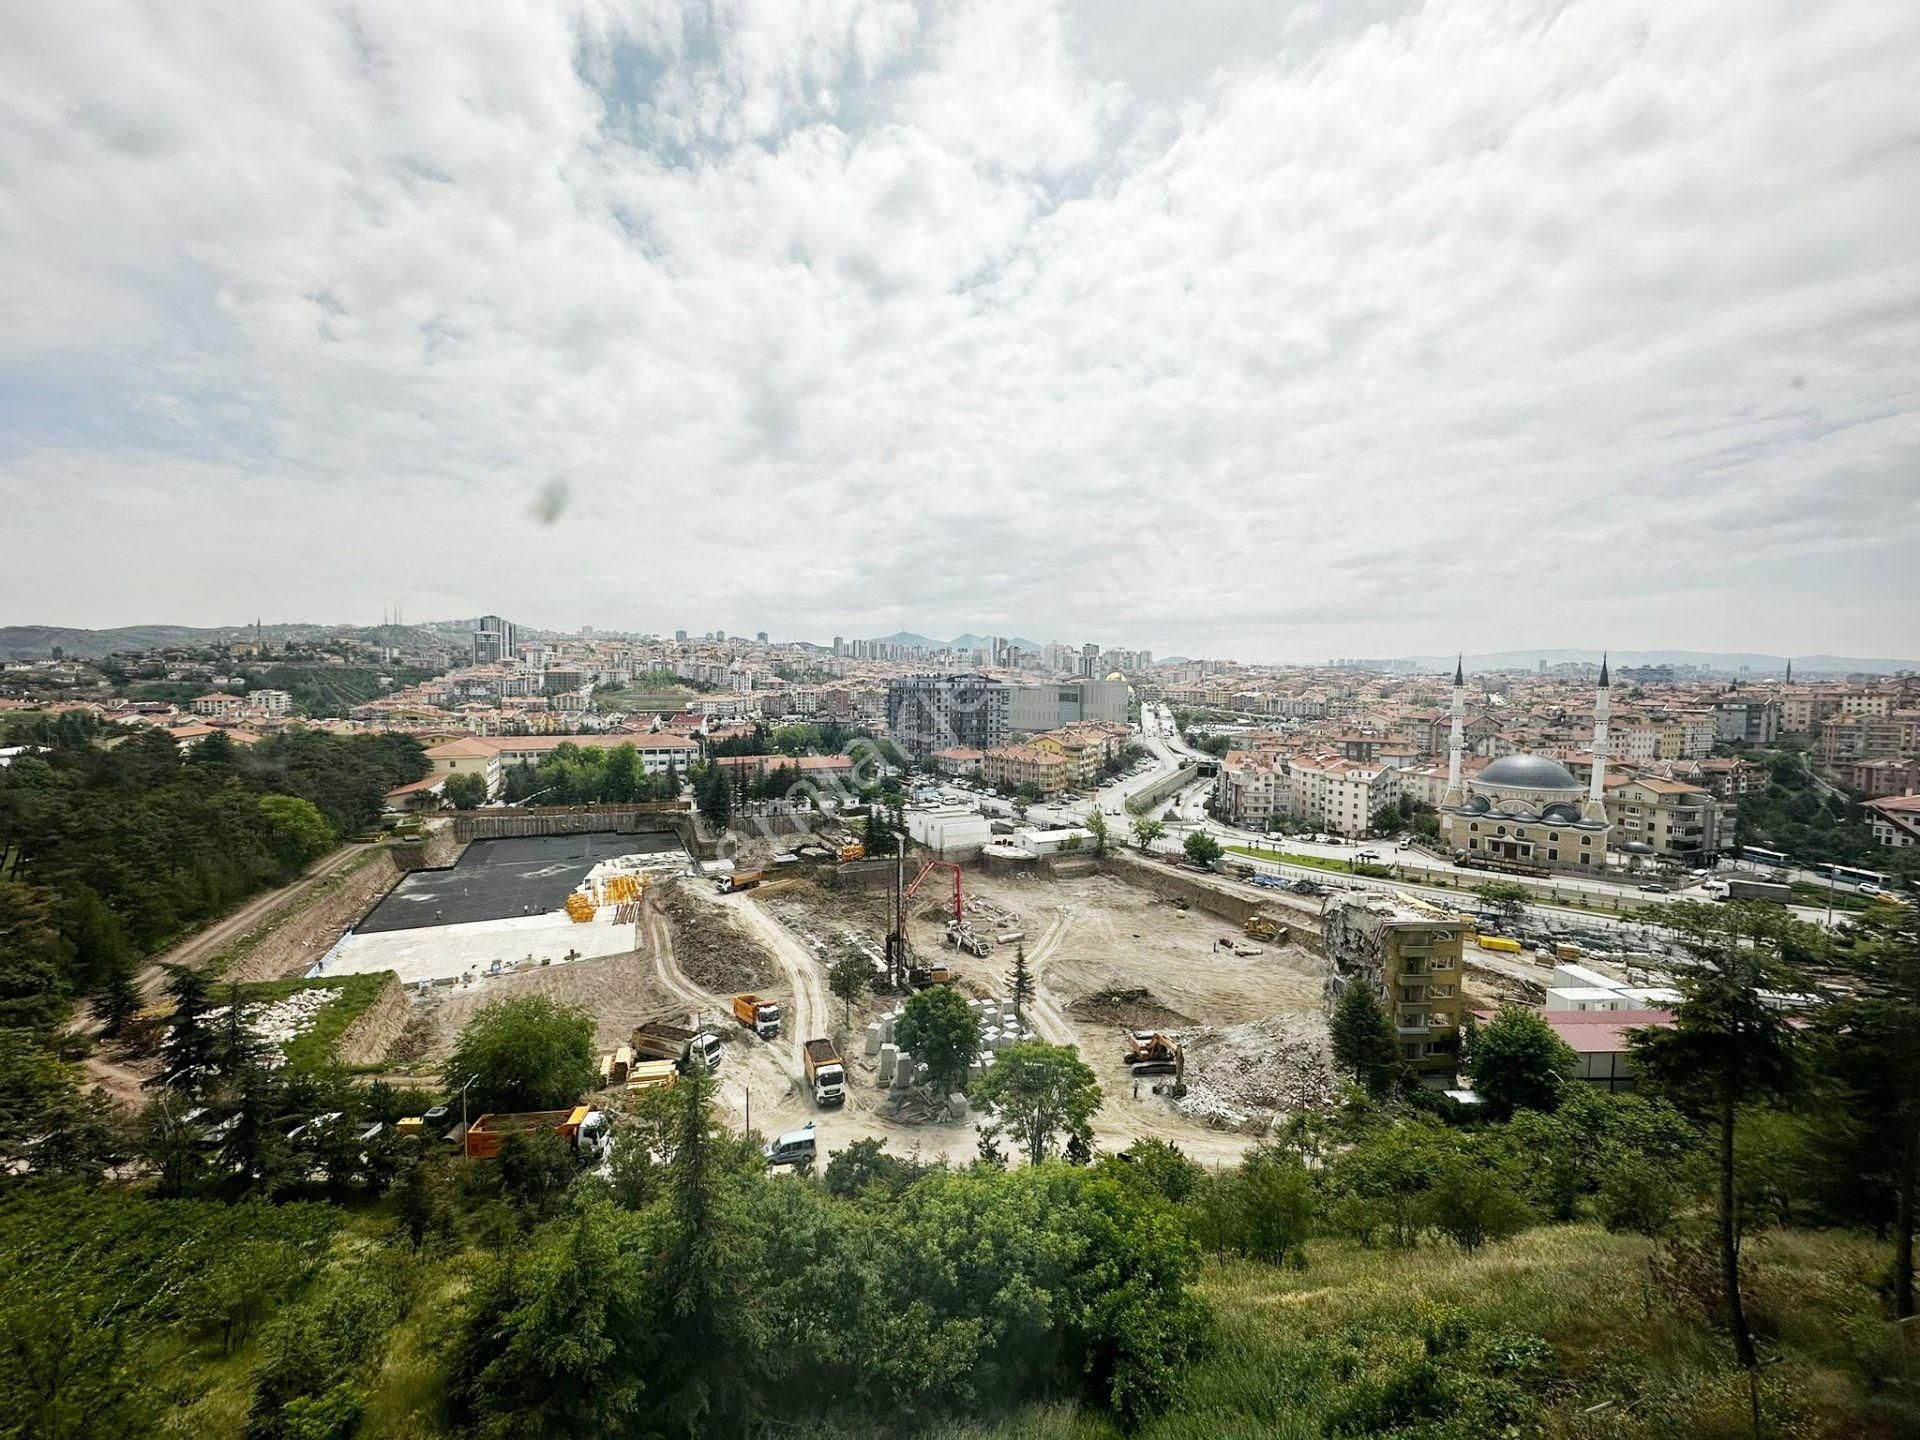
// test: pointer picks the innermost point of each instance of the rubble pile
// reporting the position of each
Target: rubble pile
(1241, 1077)
(714, 950)
(1132, 1008)
(278, 1024)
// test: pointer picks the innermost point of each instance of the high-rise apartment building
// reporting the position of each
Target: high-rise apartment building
(494, 640)
(935, 712)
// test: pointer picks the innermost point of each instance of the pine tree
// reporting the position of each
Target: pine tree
(118, 1000)
(235, 1046)
(1363, 1043)
(1020, 987)
(188, 1050)
(1727, 1048)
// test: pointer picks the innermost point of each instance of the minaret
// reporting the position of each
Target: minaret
(1789, 670)
(1597, 790)
(1456, 740)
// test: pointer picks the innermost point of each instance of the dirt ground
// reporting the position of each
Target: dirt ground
(1106, 957)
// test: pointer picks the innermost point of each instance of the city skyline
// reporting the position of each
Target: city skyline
(1312, 330)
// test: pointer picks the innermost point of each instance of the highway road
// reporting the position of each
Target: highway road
(1185, 811)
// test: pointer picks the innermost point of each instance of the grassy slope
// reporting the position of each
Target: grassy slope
(1292, 1346)
(354, 993)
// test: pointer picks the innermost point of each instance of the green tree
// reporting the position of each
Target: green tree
(535, 1171)
(1362, 1038)
(939, 1029)
(524, 1053)
(34, 977)
(1264, 1209)
(300, 831)
(189, 1047)
(1037, 1091)
(468, 791)
(553, 1344)
(1020, 985)
(1728, 1046)
(1872, 1053)
(714, 799)
(1471, 1202)
(850, 977)
(1147, 830)
(1518, 1063)
(1097, 827)
(1503, 896)
(1202, 848)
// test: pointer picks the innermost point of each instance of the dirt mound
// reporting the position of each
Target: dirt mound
(1136, 1009)
(715, 951)
(1241, 1077)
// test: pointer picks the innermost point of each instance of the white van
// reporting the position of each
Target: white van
(792, 1147)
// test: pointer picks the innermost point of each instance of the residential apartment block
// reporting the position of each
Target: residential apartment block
(926, 713)
(1008, 767)
(491, 756)
(1410, 956)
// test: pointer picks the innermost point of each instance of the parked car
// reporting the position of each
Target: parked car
(1654, 887)
(792, 1147)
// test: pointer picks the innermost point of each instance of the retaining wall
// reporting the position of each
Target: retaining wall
(1216, 897)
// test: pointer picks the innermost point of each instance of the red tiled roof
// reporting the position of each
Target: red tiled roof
(1601, 1032)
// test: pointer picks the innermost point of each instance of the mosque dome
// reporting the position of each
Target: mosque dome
(1560, 814)
(1528, 772)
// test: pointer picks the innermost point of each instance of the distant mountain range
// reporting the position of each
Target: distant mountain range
(1731, 663)
(959, 642)
(36, 642)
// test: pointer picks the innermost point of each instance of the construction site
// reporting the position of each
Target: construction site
(1199, 1007)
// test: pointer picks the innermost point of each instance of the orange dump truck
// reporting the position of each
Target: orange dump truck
(583, 1127)
(760, 1016)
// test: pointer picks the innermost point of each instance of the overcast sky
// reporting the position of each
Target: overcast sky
(1254, 329)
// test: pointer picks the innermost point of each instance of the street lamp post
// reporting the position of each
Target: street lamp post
(463, 1106)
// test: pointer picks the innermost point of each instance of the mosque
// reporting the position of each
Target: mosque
(1527, 808)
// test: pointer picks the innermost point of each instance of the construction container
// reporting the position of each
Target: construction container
(412, 1125)
(957, 1106)
(1500, 943)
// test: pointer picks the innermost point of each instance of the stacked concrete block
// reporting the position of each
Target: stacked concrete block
(903, 1071)
(889, 1062)
(872, 1041)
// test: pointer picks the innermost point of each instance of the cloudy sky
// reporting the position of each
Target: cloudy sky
(1232, 327)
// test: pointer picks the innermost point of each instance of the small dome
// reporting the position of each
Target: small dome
(1528, 772)
(1560, 814)
(1520, 812)
(1476, 805)
(1637, 847)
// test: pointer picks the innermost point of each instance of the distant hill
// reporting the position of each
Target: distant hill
(1727, 662)
(36, 642)
(968, 641)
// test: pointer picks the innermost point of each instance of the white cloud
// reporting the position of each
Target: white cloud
(1487, 324)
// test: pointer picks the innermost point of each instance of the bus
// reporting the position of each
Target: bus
(1851, 875)
(1772, 859)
